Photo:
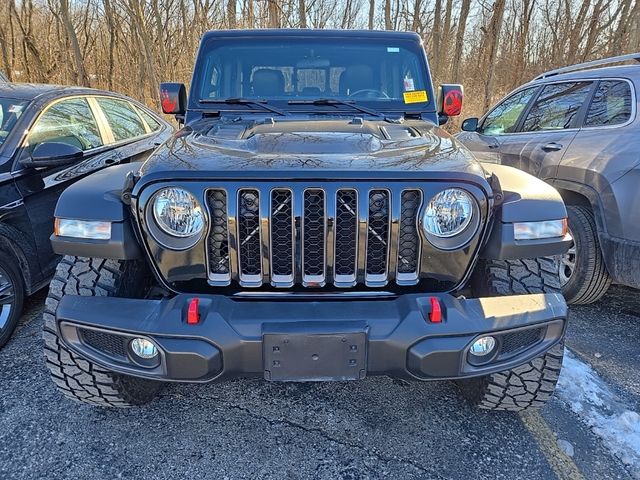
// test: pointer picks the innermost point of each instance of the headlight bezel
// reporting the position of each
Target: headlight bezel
(171, 240)
(457, 240)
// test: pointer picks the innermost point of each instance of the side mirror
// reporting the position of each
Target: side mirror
(450, 100)
(173, 98)
(470, 124)
(53, 154)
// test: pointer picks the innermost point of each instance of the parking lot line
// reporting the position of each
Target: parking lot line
(562, 465)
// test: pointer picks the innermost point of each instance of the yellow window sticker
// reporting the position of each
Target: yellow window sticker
(416, 96)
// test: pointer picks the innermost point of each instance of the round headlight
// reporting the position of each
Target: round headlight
(448, 213)
(177, 212)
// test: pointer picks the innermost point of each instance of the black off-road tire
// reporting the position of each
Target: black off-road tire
(590, 279)
(495, 278)
(75, 377)
(529, 385)
(10, 266)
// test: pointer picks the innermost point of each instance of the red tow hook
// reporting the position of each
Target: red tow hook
(435, 315)
(193, 316)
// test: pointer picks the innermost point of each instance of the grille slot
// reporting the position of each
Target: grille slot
(107, 343)
(378, 235)
(313, 236)
(409, 242)
(249, 235)
(218, 236)
(282, 236)
(346, 236)
(516, 341)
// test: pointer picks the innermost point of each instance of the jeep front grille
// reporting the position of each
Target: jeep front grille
(340, 236)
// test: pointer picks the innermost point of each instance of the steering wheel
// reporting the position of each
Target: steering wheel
(359, 93)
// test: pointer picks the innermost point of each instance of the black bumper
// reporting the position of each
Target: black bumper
(311, 340)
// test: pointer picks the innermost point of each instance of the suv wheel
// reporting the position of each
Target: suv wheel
(75, 377)
(529, 385)
(11, 297)
(583, 274)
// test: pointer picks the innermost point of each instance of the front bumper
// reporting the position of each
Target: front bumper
(317, 340)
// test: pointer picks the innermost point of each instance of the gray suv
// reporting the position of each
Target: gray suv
(577, 129)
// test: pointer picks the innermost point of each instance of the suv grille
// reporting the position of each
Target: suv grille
(314, 236)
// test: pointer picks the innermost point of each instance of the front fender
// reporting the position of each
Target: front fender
(525, 198)
(98, 197)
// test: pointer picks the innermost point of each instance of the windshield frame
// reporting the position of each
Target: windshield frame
(24, 104)
(410, 42)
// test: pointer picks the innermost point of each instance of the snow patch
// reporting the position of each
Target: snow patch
(602, 410)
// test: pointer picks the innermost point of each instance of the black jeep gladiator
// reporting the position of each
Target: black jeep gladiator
(310, 221)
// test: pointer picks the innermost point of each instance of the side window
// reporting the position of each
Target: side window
(123, 119)
(151, 121)
(504, 118)
(68, 121)
(611, 104)
(557, 106)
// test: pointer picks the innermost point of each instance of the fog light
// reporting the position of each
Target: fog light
(483, 346)
(144, 348)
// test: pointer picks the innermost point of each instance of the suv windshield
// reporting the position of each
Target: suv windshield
(10, 111)
(387, 75)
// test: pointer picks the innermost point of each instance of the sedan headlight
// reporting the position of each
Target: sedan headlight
(177, 213)
(450, 214)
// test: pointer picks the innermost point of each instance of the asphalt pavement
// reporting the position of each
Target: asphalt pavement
(375, 428)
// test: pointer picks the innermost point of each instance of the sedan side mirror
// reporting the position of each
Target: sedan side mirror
(470, 124)
(173, 98)
(53, 154)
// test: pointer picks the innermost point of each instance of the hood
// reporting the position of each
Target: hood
(327, 146)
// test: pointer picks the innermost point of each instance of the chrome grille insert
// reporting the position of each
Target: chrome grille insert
(282, 238)
(378, 237)
(408, 239)
(218, 249)
(346, 237)
(313, 238)
(250, 259)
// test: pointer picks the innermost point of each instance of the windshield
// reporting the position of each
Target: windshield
(10, 111)
(386, 74)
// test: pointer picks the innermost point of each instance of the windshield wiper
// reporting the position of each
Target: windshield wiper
(245, 101)
(336, 101)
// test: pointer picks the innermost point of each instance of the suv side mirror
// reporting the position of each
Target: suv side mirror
(53, 154)
(470, 124)
(450, 100)
(173, 98)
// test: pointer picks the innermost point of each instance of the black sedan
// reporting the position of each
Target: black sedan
(50, 137)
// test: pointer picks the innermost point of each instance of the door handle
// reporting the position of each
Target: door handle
(552, 147)
(493, 145)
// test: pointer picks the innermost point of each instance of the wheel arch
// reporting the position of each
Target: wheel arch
(13, 243)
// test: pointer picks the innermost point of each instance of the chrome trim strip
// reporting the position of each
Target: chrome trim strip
(363, 216)
(395, 209)
(264, 200)
(330, 199)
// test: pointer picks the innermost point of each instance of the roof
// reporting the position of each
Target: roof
(29, 91)
(310, 32)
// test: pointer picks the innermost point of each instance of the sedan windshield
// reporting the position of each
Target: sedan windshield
(386, 74)
(10, 111)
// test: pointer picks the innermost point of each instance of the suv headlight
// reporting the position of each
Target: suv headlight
(450, 218)
(178, 214)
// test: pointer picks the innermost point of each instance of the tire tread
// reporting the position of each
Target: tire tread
(75, 377)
